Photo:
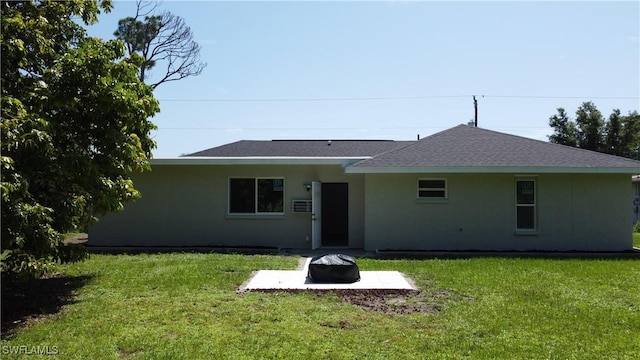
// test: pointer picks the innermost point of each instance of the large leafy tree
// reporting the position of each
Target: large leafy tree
(75, 124)
(619, 135)
(590, 124)
(566, 132)
(165, 40)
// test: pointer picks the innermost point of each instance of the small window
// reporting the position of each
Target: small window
(256, 196)
(432, 189)
(526, 205)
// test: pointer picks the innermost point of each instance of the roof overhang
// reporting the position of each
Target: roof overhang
(259, 160)
(490, 170)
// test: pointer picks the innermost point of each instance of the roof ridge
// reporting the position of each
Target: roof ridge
(566, 147)
(412, 143)
(325, 140)
(469, 146)
(408, 144)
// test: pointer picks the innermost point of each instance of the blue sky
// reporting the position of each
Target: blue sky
(391, 70)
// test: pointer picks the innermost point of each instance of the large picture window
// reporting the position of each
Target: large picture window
(256, 196)
(526, 205)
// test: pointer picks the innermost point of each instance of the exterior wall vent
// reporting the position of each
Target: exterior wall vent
(301, 206)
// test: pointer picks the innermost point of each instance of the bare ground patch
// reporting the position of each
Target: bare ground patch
(389, 301)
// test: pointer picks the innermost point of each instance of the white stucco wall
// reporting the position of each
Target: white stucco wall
(187, 206)
(574, 212)
(635, 199)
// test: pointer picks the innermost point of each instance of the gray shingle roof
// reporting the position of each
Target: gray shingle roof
(459, 149)
(466, 146)
(303, 148)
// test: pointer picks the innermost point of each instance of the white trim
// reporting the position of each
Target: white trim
(490, 170)
(534, 205)
(260, 160)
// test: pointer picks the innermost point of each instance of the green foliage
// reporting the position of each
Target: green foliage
(138, 37)
(566, 132)
(619, 135)
(74, 126)
(165, 39)
(184, 306)
(590, 123)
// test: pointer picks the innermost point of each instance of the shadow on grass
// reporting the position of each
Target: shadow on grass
(24, 302)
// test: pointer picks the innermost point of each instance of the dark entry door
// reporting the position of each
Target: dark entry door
(335, 214)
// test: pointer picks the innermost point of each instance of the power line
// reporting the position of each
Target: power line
(299, 128)
(319, 99)
(243, 128)
(391, 98)
(566, 97)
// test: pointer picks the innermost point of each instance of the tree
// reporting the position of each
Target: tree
(565, 130)
(630, 142)
(590, 123)
(74, 127)
(613, 142)
(164, 38)
(619, 135)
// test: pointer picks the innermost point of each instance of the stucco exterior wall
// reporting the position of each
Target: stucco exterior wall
(635, 198)
(574, 212)
(188, 206)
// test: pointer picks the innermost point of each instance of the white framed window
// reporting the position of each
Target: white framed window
(256, 196)
(432, 189)
(526, 205)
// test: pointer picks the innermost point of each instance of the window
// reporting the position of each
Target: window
(256, 196)
(432, 189)
(525, 205)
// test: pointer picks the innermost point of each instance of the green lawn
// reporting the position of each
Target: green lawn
(185, 306)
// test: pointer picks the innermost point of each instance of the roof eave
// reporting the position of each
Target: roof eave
(259, 160)
(490, 170)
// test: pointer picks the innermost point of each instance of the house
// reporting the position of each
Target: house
(464, 188)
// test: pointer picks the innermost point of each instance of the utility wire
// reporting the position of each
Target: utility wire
(243, 128)
(320, 99)
(402, 98)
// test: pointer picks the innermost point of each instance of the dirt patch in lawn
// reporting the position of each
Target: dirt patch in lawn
(389, 301)
(396, 302)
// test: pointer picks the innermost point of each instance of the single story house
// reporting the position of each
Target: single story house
(464, 188)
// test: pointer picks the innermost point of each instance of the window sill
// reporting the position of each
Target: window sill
(432, 201)
(255, 216)
(527, 233)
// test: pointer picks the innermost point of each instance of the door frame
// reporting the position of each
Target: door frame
(317, 216)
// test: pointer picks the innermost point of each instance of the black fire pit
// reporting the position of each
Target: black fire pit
(333, 268)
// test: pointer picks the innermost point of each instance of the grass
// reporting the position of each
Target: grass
(185, 306)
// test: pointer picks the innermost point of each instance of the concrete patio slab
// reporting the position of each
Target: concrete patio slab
(297, 280)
